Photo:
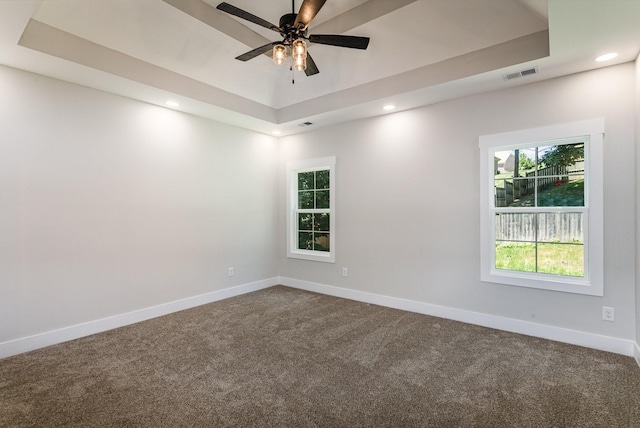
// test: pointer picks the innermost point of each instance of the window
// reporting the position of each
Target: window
(311, 208)
(541, 207)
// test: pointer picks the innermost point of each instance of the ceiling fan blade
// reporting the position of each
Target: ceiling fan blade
(354, 42)
(312, 68)
(256, 52)
(226, 7)
(308, 10)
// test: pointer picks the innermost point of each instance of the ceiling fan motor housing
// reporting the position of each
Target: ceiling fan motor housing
(287, 25)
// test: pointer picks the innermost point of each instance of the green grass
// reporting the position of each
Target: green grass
(569, 194)
(499, 179)
(559, 259)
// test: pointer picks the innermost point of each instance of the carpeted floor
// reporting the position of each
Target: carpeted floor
(283, 357)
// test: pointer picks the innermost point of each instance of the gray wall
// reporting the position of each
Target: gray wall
(637, 110)
(408, 206)
(110, 205)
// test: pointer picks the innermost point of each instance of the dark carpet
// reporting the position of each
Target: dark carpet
(288, 358)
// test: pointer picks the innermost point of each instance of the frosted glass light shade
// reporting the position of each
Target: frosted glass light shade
(298, 49)
(279, 54)
(300, 63)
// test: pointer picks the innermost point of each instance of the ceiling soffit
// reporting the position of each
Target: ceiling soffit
(47, 32)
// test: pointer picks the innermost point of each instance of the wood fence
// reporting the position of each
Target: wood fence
(541, 227)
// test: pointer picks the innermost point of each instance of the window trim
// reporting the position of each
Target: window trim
(293, 168)
(593, 281)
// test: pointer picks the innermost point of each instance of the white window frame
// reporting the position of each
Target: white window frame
(308, 165)
(593, 281)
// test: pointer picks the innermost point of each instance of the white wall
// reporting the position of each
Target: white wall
(110, 205)
(408, 206)
(637, 110)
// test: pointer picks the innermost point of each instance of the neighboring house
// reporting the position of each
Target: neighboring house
(504, 162)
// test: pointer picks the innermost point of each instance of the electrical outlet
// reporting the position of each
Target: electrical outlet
(230, 271)
(345, 272)
(608, 314)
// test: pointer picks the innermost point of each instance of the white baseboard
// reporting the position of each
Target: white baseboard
(53, 337)
(574, 337)
(589, 340)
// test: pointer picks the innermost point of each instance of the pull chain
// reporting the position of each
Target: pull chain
(293, 74)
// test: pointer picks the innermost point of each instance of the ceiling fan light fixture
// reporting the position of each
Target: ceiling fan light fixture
(279, 54)
(298, 49)
(293, 30)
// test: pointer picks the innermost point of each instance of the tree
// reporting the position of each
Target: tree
(525, 163)
(564, 155)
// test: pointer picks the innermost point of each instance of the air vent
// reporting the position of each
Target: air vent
(305, 124)
(522, 73)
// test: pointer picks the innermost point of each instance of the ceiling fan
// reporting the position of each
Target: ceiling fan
(294, 28)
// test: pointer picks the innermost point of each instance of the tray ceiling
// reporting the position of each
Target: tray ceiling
(420, 52)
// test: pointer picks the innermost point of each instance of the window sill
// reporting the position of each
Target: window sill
(312, 255)
(544, 282)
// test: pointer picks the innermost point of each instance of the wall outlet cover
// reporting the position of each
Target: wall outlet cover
(608, 314)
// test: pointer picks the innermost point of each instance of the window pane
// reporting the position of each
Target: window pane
(561, 259)
(566, 191)
(322, 179)
(515, 241)
(514, 163)
(322, 199)
(321, 222)
(518, 256)
(561, 176)
(514, 172)
(305, 221)
(523, 191)
(515, 192)
(503, 167)
(305, 200)
(305, 241)
(504, 163)
(515, 227)
(561, 249)
(305, 180)
(566, 156)
(560, 228)
(321, 242)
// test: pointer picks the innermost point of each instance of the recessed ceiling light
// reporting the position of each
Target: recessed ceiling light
(172, 104)
(389, 107)
(607, 57)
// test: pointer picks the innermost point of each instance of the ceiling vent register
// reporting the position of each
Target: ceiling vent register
(522, 73)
